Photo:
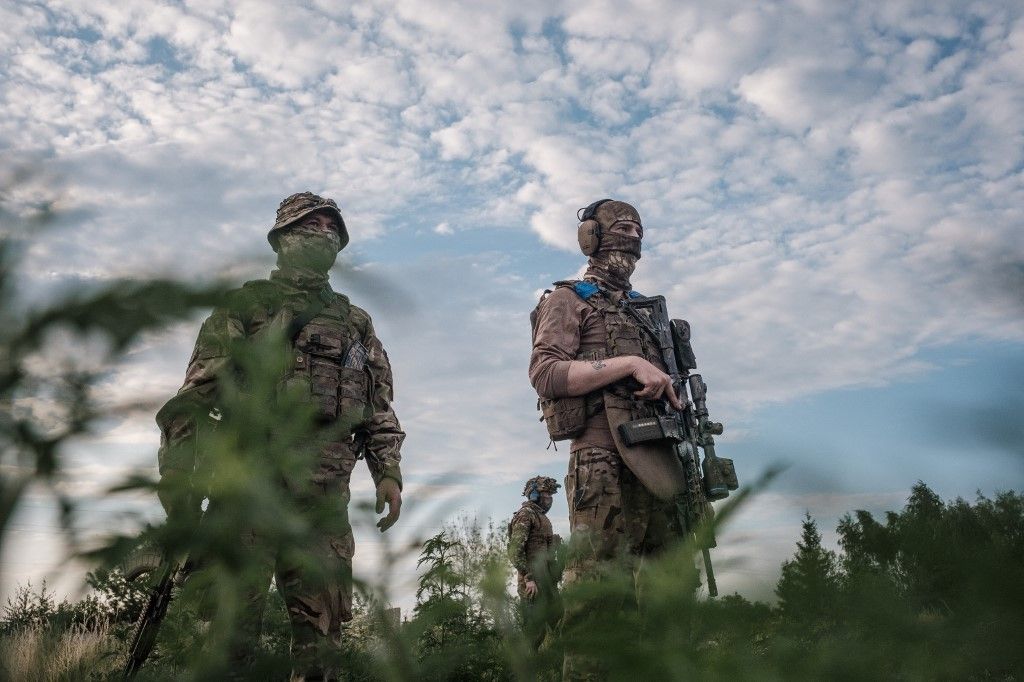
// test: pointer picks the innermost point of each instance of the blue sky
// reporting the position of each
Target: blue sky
(832, 197)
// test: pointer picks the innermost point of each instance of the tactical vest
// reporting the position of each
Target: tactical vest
(331, 357)
(541, 541)
(623, 336)
(330, 363)
(567, 417)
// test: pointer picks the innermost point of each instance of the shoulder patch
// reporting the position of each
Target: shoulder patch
(635, 294)
(585, 289)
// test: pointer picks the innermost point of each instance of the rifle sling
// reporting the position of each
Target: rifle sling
(645, 324)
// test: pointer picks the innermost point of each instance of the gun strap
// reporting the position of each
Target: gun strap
(641, 320)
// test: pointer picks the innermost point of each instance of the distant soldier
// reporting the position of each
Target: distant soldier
(342, 369)
(532, 548)
(594, 368)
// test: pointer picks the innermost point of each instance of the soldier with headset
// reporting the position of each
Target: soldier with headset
(532, 549)
(594, 368)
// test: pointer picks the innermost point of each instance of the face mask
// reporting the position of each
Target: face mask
(545, 502)
(616, 260)
(308, 249)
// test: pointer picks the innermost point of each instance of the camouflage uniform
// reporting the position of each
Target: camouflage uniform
(347, 398)
(612, 516)
(532, 548)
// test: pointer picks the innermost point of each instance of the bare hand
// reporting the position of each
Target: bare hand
(388, 491)
(656, 384)
(531, 589)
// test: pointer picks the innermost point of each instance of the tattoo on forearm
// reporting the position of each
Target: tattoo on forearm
(598, 364)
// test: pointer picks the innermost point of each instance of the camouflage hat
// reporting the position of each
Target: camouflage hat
(543, 484)
(611, 212)
(298, 206)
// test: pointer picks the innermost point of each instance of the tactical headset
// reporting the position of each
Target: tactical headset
(534, 495)
(589, 231)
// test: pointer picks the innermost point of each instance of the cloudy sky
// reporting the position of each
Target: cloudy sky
(832, 195)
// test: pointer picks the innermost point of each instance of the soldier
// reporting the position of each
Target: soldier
(594, 368)
(532, 548)
(340, 367)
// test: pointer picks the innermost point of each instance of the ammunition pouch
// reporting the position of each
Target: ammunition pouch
(324, 384)
(719, 477)
(566, 418)
(338, 376)
(353, 398)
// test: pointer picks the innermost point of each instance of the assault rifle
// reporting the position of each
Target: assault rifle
(172, 574)
(172, 571)
(687, 429)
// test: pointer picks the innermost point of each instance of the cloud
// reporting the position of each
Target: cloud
(776, 151)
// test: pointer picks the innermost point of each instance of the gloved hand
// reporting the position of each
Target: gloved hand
(388, 491)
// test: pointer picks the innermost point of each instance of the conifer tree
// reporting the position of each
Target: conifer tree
(441, 595)
(808, 586)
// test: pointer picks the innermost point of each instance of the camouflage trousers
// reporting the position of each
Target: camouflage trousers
(314, 580)
(540, 615)
(615, 523)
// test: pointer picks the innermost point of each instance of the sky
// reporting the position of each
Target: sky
(831, 192)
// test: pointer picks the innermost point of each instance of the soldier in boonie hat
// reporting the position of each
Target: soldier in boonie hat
(339, 368)
(298, 206)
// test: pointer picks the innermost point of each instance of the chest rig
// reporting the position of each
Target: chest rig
(541, 539)
(623, 336)
(567, 417)
(330, 363)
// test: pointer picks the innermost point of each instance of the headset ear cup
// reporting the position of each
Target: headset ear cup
(589, 234)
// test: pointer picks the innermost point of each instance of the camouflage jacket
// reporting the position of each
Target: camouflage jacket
(532, 545)
(321, 349)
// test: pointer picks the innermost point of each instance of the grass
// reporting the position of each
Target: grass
(50, 654)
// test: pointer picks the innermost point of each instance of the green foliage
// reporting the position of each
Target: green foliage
(29, 609)
(950, 575)
(455, 639)
(113, 602)
(809, 583)
(46, 395)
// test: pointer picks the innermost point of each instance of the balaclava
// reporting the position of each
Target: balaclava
(304, 248)
(616, 258)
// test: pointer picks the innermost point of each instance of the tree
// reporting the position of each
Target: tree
(809, 584)
(480, 558)
(940, 580)
(441, 597)
(455, 640)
